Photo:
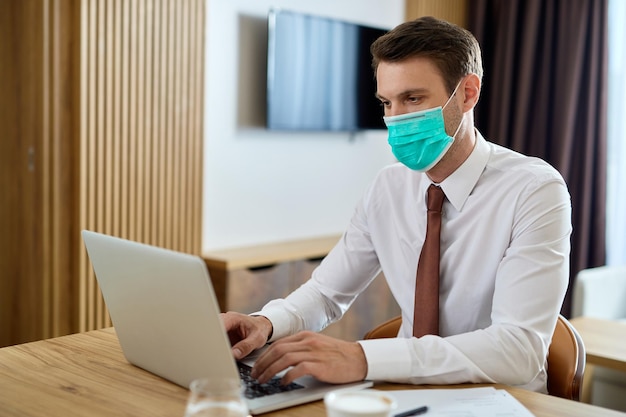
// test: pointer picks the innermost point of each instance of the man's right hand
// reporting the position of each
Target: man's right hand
(246, 333)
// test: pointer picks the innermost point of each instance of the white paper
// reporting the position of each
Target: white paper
(461, 402)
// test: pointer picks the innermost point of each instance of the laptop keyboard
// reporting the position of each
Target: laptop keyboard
(254, 389)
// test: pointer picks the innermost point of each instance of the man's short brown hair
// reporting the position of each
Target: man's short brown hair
(454, 50)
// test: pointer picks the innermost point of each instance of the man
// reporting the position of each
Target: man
(504, 240)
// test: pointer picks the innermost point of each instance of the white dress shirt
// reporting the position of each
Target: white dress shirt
(505, 243)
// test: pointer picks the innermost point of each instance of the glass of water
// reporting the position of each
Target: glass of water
(216, 397)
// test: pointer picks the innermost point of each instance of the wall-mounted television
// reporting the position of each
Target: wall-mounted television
(319, 74)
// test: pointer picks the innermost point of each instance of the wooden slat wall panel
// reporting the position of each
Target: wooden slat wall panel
(454, 11)
(140, 128)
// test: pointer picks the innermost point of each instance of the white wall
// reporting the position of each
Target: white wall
(262, 186)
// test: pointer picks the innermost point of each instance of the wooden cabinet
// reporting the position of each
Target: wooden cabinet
(247, 278)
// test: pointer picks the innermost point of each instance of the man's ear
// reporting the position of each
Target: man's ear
(471, 92)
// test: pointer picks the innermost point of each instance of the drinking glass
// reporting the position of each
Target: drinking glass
(216, 397)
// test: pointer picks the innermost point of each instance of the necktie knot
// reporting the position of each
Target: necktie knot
(435, 198)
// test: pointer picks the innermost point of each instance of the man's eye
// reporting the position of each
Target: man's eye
(414, 99)
(384, 104)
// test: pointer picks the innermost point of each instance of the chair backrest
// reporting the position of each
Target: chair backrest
(566, 361)
(566, 356)
(385, 330)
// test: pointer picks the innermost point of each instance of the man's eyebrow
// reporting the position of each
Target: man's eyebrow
(406, 93)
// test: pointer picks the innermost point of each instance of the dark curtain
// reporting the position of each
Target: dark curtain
(545, 94)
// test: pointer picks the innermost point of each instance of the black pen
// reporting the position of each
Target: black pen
(413, 412)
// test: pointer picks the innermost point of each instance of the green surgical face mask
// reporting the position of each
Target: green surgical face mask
(419, 140)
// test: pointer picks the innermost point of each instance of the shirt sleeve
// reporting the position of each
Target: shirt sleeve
(334, 285)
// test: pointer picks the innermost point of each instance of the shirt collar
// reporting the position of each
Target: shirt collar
(459, 185)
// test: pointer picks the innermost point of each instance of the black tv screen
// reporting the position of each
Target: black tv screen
(319, 74)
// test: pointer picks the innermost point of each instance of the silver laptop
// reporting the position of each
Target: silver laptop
(166, 317)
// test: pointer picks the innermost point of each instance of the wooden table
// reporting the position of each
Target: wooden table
(605, 341)
(86, 375)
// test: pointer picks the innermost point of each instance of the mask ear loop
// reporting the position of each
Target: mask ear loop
(444, 106)
(452, 95)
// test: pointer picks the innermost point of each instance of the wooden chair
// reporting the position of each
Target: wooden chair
(385, 330)
(566, 356)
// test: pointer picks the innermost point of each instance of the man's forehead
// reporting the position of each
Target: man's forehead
(421, 70)
(408, 77)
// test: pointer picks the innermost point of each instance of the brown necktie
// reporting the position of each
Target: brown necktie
(426, 314)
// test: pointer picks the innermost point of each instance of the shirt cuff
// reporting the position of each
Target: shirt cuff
(387, 359)
(281, 323)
